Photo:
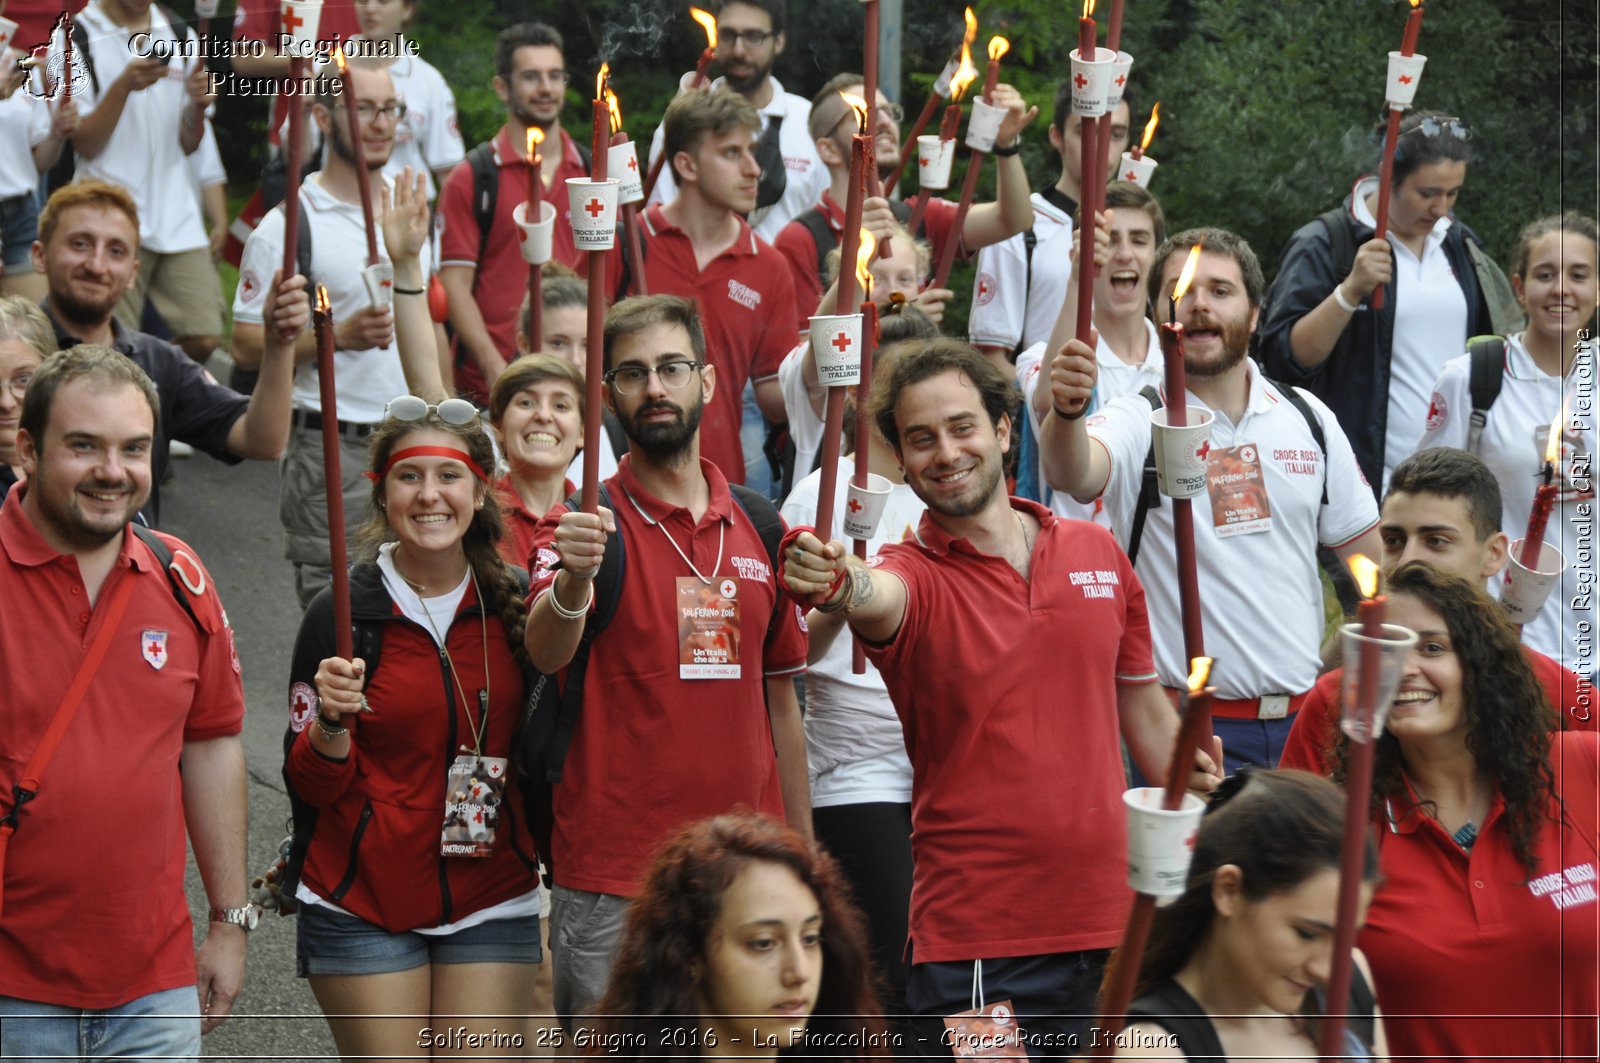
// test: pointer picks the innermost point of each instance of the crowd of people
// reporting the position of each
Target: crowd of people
(681, 769)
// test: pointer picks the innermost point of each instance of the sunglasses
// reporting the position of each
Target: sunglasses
(458, 412)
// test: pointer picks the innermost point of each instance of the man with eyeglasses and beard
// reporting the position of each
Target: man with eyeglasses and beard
(689, 707)
(750, 37)
(367, 365)
(480, 266)
(1257, 557)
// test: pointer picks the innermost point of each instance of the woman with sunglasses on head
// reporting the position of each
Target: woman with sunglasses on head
(1375, 368)
(1235, 966)
(741, 941)
(1483, 936)
(417, 894)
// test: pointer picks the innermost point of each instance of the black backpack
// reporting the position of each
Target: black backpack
(551, 716)
(1486, 372)
(816, 223)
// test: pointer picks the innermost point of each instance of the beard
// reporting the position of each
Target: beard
(82, 311)
(74, 526)
(664, 442)
(986, 481)
(748, 81)
(1235, 336)
(342, 147)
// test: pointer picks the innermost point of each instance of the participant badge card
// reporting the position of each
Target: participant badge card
(1238, 491)
(708, 628)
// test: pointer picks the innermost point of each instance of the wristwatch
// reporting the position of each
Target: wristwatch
(244, 918)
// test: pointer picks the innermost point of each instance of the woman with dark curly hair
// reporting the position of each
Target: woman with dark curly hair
(742, 940)
(1235, 966)
(417, 899)
(1483, 937)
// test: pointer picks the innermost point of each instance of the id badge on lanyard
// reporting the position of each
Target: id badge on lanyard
(1238, 491)
(474, 788)
(708, 628)
(986, 1031)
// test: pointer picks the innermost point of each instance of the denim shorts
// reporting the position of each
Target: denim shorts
(330, 942)
(19, 228)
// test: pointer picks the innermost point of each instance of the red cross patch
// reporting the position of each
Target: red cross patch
(1438, 412)
(153, 648)
(986, 288)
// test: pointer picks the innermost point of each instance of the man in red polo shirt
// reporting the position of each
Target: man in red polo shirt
(96, 924)
(688, 704)
(1019, 832)
(482, 269)
(806, 241)
(699, 246)
(1443, 507)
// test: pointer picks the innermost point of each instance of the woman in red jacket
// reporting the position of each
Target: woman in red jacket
(417, 897)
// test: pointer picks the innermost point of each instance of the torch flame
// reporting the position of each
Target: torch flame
(859, 106)
(323, 304)
(1365, 573)
(1088, 8)
(998, 46)
(1199, 673)
(600, 81)
(613, 105)
(535, 138)
(1552, 446)
(965, 73)
(708, 22)
(338, 57)
(1187, 275)
(1150, 127)
(1416, 3)
(869, 247)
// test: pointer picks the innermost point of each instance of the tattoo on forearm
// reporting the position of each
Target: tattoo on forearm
(860, 590)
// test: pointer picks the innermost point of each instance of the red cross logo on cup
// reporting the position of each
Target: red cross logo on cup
(633, 163)
(1405, 79)
(594, 207)
(1079, 80)
(841, 342)
(1203, 450)
(1121, 79)
(1130, 176)
(855, 505)
(292, 21)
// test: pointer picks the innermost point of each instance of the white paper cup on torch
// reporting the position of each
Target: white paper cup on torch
(8, 30)
(1393, 649)
(1091, 83)
(537, 240)
(984, 125)
(863, 506)
(1405, 71)
(1181, 452)
(594, 212)
(934, 159)
(1120, 67)
(1525, 590)
(301, 20)
(836, 345)
(1139, 170)
(623, 160)
(378, 279)
(1160, 841)
(206, 8)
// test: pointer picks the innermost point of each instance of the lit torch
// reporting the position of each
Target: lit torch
(1149, 131)
(944, 86)
(863, 426)
(332, 481)
(1544, 499)
(359, 150)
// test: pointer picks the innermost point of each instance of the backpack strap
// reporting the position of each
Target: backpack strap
(615, 433)
(821, 232)
(1298, 401)
(1149, 493)
(176, 579)
(1030, 240)
(1341, 237)
(1486, 373)
(764, 515)
(302, 244)
(485, 195)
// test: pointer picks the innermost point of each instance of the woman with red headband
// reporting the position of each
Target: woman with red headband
(417, 897)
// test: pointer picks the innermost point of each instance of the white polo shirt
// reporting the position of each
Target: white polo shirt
(807, 177)
(1261, 592)
(1006, 307)
(367, 379)
(805, 427)
(1513, 446)
(428, 139)
(143, 154)
(24, 122)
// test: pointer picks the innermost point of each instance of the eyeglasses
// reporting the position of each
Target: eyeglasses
(631, 379)
(554, 77)
(392, 111)
(458, 412)
(18, 385)
(753, 38)
(1438, 127)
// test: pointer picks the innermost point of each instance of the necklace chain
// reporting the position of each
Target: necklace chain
(475, 726)
(722, 533)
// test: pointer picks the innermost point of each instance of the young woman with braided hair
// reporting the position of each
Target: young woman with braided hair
(418, 896)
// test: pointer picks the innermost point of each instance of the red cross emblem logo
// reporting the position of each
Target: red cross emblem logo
(1130, 176)
(841, 342)
(985, 288)
(1121, 78)
(1203, 451)
(594, 207)
(633, 163)
(153, 648)
(1405, 79)
(386, 283)
(1189, 841)
(925, 162)
(855, 505)
(292, 21)
(1079, 80)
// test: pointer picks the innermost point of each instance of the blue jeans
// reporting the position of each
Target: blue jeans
(1053, 996)
(164, 1025)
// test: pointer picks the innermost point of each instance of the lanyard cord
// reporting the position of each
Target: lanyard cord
(722, 534)
(476, 726)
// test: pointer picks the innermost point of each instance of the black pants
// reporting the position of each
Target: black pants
(1054, 997)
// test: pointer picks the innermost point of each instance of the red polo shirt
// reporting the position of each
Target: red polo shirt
(521, 524)
(653, 752)
(1311, 739)
(799, 247)
(501, 282)
(1007, 691)
(1472, 958)
(95, 913)
(746, 302)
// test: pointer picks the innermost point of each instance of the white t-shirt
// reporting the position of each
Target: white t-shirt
(854, 745)
(1262, 591)
(367, 379)
(428, 139)
(143, 154)
(1006, 307)
(805, 426)
(24, 122)
(1430, 328)
(1117, 378)
(1515, 435)
(807, 177)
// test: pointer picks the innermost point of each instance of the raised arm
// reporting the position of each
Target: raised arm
(829, 577)
(405, 220)
(1072, 462)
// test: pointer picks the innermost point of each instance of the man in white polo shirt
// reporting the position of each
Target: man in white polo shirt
(366, 362)
(141, 106)
(1274, 494)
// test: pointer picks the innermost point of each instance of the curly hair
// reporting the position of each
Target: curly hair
(653, 998)
(500, 587)
(1508, 717)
